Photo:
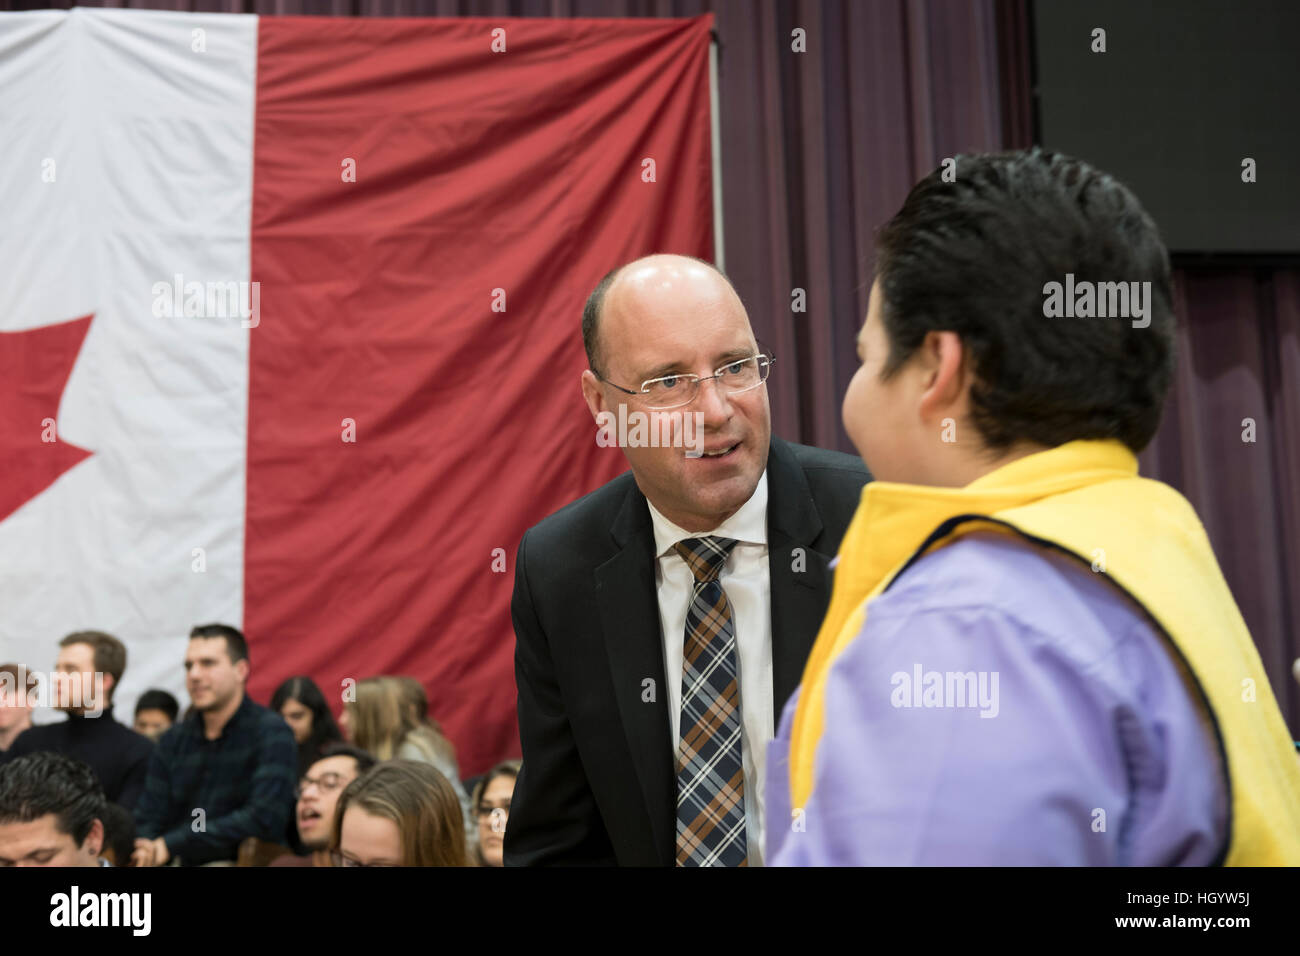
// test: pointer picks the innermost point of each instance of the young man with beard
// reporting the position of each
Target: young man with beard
(224, 773)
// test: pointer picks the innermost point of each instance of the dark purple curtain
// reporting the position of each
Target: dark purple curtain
(1238, 379)
(819, 148)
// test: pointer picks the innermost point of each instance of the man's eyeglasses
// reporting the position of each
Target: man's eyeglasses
(674, 391)
(326, 783)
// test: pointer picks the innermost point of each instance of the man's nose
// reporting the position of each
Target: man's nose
(713, 401)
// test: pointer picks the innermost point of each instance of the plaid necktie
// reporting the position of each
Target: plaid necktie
(710, 773)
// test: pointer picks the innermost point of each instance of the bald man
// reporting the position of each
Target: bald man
(663, 620)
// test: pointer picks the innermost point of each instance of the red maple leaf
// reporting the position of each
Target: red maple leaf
(34, 369)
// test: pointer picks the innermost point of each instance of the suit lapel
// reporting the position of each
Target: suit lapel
(629, 615)
(800, 580)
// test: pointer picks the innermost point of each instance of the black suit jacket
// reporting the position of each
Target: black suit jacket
(598, 784)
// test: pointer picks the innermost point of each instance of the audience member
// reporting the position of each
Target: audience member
(233, 760)
(491, 803)
(391, 722)
(399, 813)
(52, 810)
(17, 687)
(318, 796)
(89, 667)
(155, 712)
(302, 705)
(119, 835)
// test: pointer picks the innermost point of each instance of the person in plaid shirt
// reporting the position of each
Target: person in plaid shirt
(225, 773)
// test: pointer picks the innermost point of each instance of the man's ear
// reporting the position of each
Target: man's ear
(946, 382)
(94, 842)
(592, 394)
(241, 668)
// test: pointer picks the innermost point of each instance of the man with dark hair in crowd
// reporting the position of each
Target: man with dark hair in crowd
(223, 774)
(155, 712)
(51, 812)
(17, 689)
(318, 795)
(91, 663)
(1012, 564)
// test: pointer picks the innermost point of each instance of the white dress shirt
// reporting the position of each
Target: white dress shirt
(747, 582)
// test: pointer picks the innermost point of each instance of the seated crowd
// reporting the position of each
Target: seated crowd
(231, 782)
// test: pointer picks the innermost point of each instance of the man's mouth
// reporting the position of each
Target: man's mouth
(722, 451)
(308, 815)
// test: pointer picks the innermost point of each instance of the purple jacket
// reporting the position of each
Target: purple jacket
(1003, 705)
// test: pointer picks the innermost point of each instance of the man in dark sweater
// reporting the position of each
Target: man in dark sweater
(223, 774)
(89, 667)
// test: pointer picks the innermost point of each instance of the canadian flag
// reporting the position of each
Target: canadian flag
(290, 326)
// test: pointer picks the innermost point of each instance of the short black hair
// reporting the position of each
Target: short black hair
(236, 646)
(158, 700)
(48, 782)
(973, 256)
(119, 833)
(364, 758)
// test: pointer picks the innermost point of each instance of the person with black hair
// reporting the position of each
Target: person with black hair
(232, 760)
(155, 712)
(318, 796)
(52, 810)
(1010, 564)
(302, 705)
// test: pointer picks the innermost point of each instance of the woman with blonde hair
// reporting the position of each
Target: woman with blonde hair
(399, 813)
(390, 721)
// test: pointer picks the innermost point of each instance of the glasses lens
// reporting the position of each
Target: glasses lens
(670, 392)
(739, 376)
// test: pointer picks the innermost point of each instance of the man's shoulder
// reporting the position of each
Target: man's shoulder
(133, 742)
(826, 471)
(812, 458)
(589, 515)
(36, 738)
(263, 719)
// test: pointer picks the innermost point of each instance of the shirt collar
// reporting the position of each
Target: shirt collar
(747, 525)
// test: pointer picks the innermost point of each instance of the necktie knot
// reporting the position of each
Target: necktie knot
(705, 556)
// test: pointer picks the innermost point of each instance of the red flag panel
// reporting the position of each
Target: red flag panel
(510, 179)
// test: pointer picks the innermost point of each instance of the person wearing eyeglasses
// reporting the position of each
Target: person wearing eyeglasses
(318, 796)
(52, 810)
(662, 620)
(398, 813)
